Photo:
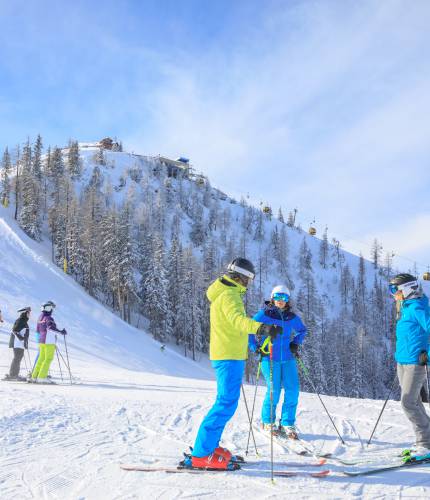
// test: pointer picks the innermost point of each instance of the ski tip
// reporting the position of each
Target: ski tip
(321, 473)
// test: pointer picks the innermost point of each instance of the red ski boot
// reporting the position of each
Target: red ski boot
(214, 461)
(227, 454)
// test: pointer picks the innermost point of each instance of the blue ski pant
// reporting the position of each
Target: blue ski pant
(285, 376)
(229, 374)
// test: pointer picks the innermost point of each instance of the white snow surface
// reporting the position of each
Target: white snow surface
(135, 403)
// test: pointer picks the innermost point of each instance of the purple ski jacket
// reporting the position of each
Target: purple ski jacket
(45, 326)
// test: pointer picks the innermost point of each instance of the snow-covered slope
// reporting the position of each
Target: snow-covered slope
(138, 404)
(27, 278)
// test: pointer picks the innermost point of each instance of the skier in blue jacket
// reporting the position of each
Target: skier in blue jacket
(284, 348)
(412, 345)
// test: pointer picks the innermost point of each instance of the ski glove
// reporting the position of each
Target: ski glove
(294, 348)
(260, 352)
(423, 358)
(63, 331)
(270, 330)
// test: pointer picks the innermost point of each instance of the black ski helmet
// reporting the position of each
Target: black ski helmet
(241, 267)
(402, 278)
(24, 309)
(405, 283)
(48, 306)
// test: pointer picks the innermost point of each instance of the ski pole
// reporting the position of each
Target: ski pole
(67, 356)
(62, 359)
(428, 384)
(25, 362)
(253, 406)
(249, 420)
(29, 357)
(59, 364)
(271, 409)
(383, 408)
(306, 373)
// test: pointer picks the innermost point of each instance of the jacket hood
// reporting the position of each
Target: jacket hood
(422, 301)
(222, 284)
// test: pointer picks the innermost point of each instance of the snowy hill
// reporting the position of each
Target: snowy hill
(138, 404)
(28, 278)
(146, 235)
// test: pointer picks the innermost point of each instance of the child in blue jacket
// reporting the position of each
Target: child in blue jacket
(285, 375)
(412, 345)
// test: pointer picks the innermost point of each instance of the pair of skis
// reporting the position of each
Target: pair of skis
(239, 466)
(366, 465)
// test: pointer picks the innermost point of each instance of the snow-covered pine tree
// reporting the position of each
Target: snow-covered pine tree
(376, 253)
(157, 297)
(175, 274)
(37, 159)
(100, 157)
(29, 215)
(6, 167)
(17, 186)
(323, 254)
(73, 161)
(191, 306)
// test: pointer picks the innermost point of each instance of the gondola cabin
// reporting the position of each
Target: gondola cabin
(312, 231)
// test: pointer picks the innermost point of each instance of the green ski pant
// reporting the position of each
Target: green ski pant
(46, 355)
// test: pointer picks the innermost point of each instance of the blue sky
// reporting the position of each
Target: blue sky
(319, 105)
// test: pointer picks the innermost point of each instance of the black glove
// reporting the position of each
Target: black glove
(260, 351)
(27, 333)
(294, 348)
(269, 330)
(63, 331)
(423, 358)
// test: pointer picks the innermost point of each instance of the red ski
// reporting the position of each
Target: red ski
(189, 470)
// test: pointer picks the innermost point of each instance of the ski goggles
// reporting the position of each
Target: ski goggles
(393, 289)
(281, 296)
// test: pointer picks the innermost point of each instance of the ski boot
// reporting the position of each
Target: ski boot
(228, 455)
(214, 461)
(288, 431)
(268, 427)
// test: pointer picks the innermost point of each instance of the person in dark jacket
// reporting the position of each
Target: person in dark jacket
(412, 345)
(285, 374)
(19, 342)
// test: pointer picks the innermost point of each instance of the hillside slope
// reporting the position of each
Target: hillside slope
(135, 403)
(28, 278)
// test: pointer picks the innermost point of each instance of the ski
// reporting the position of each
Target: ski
(400, 463)
(190, 470)
(241, 461)
(298, 446)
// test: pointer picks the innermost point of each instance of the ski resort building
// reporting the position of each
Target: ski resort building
(176, 168)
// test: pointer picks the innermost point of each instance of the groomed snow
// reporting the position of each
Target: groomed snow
(138, 404)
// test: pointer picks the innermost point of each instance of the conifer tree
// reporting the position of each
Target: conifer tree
(324, 250)
(73, 161)
(6, 167)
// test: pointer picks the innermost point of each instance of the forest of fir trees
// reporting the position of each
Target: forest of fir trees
(151, 258)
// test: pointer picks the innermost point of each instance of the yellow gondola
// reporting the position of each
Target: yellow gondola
(312, 231)
(426, 276)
